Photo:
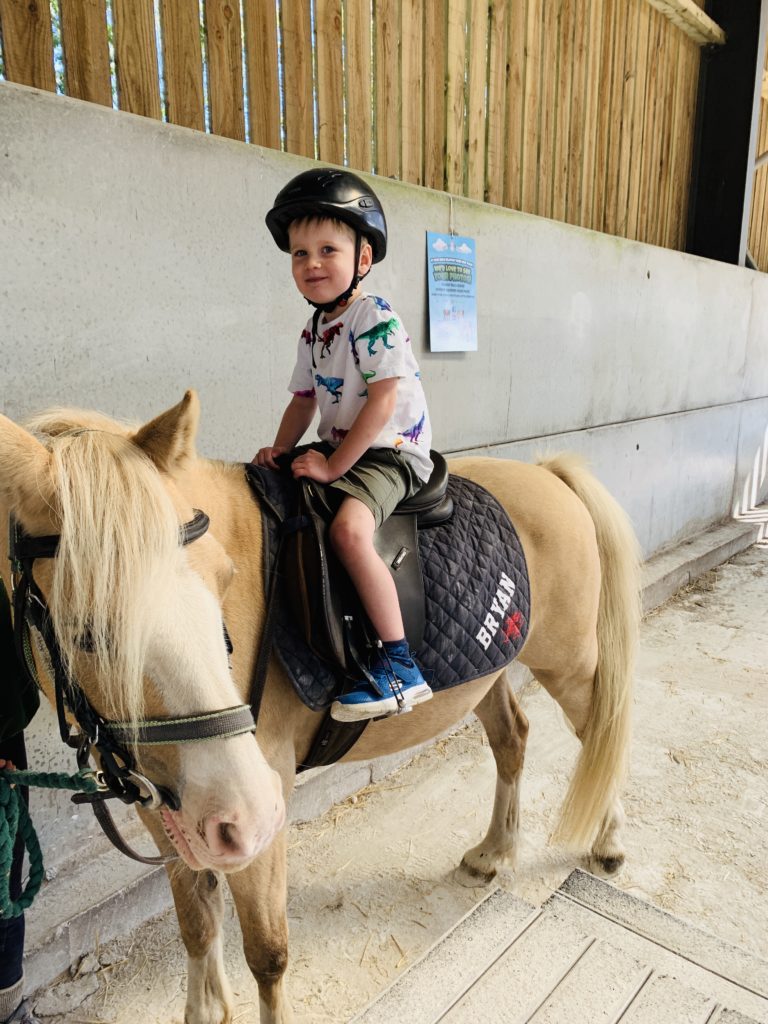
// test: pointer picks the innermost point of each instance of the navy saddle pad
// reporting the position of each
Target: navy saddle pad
(476, 590)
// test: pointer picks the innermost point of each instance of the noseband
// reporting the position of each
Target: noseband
(117, 776)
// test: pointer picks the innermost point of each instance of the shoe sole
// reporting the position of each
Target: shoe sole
(377, 709)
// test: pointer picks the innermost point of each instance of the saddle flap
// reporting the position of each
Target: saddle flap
(396, 543)
(314, 582)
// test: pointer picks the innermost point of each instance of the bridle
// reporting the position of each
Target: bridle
(117, 776)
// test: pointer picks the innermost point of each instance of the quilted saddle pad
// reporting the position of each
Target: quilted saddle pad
(476, 590)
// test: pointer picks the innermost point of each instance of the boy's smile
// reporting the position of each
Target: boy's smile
(323, 258)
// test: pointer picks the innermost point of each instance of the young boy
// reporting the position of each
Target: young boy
(356, 364)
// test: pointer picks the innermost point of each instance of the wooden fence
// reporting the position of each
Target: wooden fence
(579, 110)
(758, 223)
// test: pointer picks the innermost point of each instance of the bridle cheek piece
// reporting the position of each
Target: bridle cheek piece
(117, 775)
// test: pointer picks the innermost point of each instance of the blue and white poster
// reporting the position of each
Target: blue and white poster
(451, 280)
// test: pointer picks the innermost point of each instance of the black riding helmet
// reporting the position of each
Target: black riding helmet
(327, 192)
(338, 195)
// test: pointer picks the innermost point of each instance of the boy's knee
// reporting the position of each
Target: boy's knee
(348, 535)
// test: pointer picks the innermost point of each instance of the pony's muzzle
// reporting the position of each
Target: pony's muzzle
(234, 836)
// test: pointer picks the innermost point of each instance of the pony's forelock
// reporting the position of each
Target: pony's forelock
(118, 549)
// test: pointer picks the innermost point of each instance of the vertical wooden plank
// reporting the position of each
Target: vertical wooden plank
(531, 108)
(434, 94)
(412, 90)
(387, 91)
(297, 77)
(330, 81)
(497, 82)
(28, 43)
(591, 114)
(454, 96)
(669, 53)
(690, 58)
(225, 68)
(86, 50)
(621, 121)
(638, 120)
(761, 194)
(577, 127)
(628, 111)
(647, 180)
(566, 28)
(182, 63)
(547, 141)
(260, 28)
(763, 217)
(359, 97)
(761, 247)
(615, 127)
(675, 140)
(477, 115)
(657, 138)
(138, 86)
(603, 121)
(517, 69)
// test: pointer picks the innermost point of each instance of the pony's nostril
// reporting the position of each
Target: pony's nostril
(225, 834)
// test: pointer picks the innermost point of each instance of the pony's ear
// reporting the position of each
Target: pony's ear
(169, 439)
(26, 478)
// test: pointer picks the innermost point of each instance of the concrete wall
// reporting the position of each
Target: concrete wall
(134, 263)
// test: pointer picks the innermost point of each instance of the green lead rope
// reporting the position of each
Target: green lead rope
(15, 821)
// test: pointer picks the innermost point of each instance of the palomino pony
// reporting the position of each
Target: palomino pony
(152, 610)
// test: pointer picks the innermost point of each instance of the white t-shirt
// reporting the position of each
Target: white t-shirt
(366, 342)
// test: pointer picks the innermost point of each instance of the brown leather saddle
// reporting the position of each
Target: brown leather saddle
(318, 592)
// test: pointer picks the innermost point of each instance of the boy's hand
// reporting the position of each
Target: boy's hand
(313, 464)
(266, 456)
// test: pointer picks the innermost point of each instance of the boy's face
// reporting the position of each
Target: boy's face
(323, 258)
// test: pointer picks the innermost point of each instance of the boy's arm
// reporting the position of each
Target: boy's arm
(297, 417)
(375, 414)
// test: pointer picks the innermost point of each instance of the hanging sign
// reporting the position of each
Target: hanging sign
(451, 280)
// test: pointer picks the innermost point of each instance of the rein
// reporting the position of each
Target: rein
(117, 776)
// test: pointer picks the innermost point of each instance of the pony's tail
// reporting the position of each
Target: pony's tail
(603, 761)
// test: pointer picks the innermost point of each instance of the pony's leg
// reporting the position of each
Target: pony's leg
(199, 900)
(573, 692)
(259, 892)
(507, 729)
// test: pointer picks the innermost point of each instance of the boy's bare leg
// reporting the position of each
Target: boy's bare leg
(352, 532)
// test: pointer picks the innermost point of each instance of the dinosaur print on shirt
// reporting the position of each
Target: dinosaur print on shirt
(365, 344)
(379, 332)
(332, 385)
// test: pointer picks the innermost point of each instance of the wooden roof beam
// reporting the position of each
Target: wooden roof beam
(692, 20)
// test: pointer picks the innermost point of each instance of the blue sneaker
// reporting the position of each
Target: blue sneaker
(387, 695)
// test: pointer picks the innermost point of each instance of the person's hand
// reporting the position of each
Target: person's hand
(313, 464)
(266, 456)
(7, 764)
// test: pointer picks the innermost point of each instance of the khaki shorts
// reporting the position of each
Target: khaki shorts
(381, 479)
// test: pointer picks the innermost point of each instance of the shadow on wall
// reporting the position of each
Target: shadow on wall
(747, 509)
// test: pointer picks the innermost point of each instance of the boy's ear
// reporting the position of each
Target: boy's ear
(366, 258)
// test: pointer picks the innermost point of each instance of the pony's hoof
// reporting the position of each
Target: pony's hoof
(606, 865)
(472, 877)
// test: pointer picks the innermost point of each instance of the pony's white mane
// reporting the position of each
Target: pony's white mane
(119, 544)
